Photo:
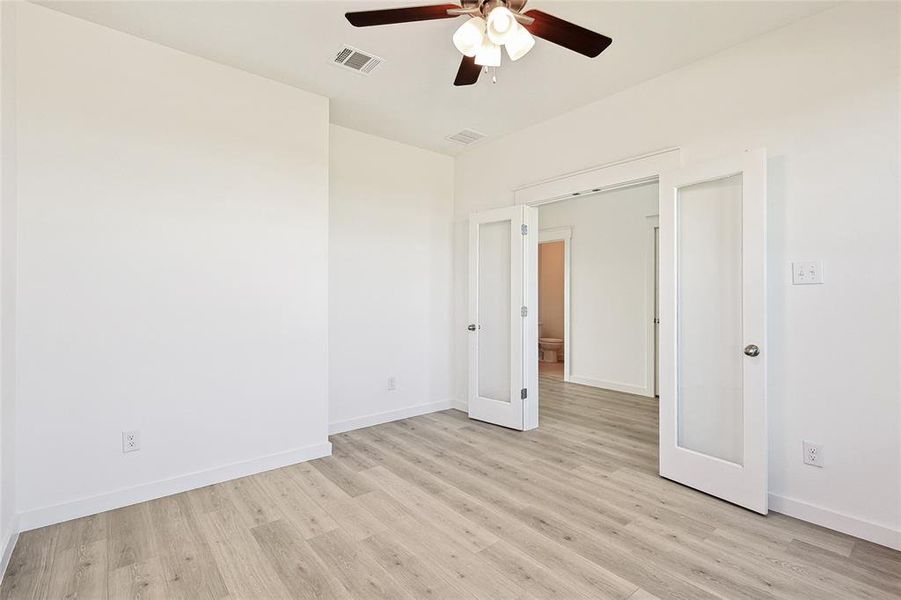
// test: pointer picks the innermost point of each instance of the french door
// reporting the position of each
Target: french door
(713, 433)
(503, 325)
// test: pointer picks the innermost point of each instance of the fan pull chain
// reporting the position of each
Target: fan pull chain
(493, 71)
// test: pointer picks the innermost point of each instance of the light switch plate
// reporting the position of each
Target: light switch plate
(807, 273)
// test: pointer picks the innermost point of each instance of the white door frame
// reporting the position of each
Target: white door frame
(651, 302)
(645, 168)
(562, 234)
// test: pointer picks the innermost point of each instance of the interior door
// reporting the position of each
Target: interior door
(502, 318)
(713, 434)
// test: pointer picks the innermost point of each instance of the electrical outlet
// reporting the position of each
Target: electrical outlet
(392, 383)
(813, 454)
(807, 273)
(131, 441)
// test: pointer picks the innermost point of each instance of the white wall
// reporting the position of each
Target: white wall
(390, 252)
(609, 299)
(173, 223)
(8, 515)
(822, 96)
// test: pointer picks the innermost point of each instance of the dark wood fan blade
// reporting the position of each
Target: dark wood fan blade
(368, 18)
(566, 34)
(469, 71)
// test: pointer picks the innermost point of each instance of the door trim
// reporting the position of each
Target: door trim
(633, 170)
(652, 299)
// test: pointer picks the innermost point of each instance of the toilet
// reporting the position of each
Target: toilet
(549, 347)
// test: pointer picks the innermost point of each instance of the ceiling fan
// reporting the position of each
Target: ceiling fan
(491, 24)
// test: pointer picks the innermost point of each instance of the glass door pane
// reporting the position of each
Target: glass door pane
(494, 311)
(709, 318)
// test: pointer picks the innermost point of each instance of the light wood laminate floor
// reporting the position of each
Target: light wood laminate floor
(439, 506)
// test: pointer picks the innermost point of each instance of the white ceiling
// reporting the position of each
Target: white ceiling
(411, 98)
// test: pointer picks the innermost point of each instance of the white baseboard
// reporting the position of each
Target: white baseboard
(615, 386)
(387, 416)
(866, 530)
(460, 405)
(9, 546)
(39, 517)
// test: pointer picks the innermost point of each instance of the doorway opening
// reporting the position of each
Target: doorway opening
(551, 335)
(597, 297)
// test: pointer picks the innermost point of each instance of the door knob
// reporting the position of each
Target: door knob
(471, 327)
(752, 350)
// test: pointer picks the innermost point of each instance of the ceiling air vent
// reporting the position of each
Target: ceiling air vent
(466, 137)
(357, 60)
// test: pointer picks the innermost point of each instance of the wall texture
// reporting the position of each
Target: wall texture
(609, 297)
(832, 141)
(172, 270)
(390, 245)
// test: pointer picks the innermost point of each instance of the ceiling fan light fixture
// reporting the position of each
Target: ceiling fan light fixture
(469, 36)
(520, 43)
(490, 25)
(501, 25)
(489, 55)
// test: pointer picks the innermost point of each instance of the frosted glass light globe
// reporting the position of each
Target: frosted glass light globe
(470, 35)
(501, 25)
(489, 55)
(519, 43)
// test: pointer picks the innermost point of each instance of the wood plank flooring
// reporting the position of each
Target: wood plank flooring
(443, 507)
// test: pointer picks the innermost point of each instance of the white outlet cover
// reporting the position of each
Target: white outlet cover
(807, 272)
(131, 441)
(813, 454)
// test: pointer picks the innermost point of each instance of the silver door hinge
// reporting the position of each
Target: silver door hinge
(524, 311)
(524, 229)
(523, 394)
